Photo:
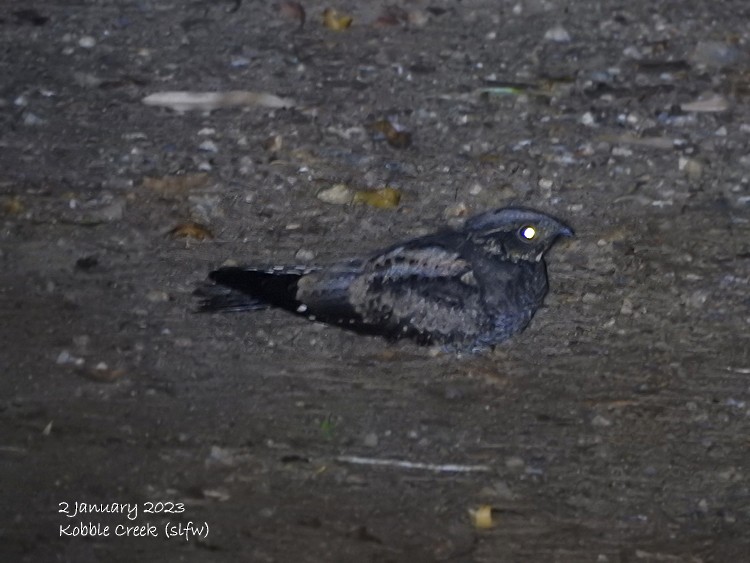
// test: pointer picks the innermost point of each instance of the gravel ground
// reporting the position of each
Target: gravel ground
(614, 429)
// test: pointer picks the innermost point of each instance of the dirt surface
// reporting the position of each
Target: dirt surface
(614, 429)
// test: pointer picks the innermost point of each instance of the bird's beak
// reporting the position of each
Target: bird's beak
(565, 231)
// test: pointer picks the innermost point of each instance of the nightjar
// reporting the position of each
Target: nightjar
(464, 290)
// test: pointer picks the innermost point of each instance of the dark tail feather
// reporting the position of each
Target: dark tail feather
(241, 289)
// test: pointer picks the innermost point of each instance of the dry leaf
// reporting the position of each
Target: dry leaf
(482, 517)
(209, 101)
(396, 136)
(102, 374)
(713, 104)
(293, 11)
(191, 230)
(390, 16)
(335, 20)
(273, 144)
(13, 205)
(382, 198)
(173, 186)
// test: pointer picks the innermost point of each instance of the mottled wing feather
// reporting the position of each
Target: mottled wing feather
(425, 292)
(325, 297)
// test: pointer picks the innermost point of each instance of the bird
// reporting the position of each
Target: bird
(463, 290)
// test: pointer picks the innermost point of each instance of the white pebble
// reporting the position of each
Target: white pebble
(627, 307)
(558, 34)
(588, 119)
(87, 42)
(600, 421)
(304, 255)
(545, 183)
(621, 151)
(208, 146)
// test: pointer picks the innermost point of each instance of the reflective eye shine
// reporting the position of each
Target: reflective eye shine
(527, 233)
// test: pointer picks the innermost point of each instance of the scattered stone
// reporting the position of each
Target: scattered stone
(545, 183)
(338, 194)
(208, 146)
(87, 42)
(590, 298)
(691, 167)
(713, 103)
(157, 296)
(515, 463)
(82, 341)
(697, 299)
(621, 151)
(588, 119)
(600, 421)
(627, 307)
(65, 357)
(557, 34)
(716, 54)
(370, 440)
(304, 255)
(111, 212)
(32, 119)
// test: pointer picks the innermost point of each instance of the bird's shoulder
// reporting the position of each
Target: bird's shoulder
(439, 255)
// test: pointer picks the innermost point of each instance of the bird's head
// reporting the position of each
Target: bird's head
(515, 233)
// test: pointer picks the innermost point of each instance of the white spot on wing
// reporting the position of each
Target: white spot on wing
(302, 308)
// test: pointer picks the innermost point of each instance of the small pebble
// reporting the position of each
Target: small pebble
(600, 421)
(588, 119)
(545, 183)
(621, 151)
(627, 307)
(87, 42)
(157, 296)
(713, 103)
(370, 440)
(32, 119)
(716, 54)
(690, 166)
(514, 463)
(557, 34)
(208, 146)
(304, 255)
(339, 194)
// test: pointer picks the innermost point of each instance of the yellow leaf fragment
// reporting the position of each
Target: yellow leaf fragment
(191, 230)
(382, 198)
(335, 20)
(481, 517)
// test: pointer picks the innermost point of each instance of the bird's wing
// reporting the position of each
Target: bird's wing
(425, 290)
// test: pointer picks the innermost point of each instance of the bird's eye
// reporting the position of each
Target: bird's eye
(527, 233)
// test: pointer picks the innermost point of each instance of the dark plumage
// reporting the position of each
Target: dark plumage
(466, 289)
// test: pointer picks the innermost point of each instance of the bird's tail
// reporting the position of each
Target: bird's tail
(251, 289)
